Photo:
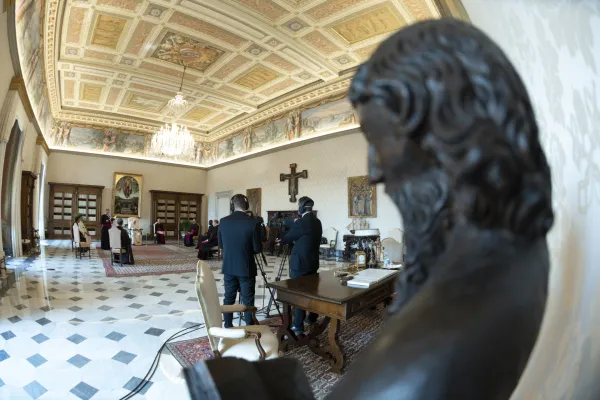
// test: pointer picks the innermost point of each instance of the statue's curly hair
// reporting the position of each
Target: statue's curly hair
(451, 90)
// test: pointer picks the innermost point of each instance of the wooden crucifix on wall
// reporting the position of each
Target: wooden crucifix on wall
(292, 179)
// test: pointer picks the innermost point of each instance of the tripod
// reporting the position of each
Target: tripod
(286, 250)
(261, 262)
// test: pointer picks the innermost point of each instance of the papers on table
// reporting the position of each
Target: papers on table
(368, 277)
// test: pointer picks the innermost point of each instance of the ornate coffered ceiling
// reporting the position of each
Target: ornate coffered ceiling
(116, 63)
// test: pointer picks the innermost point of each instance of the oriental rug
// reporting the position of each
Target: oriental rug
(355, 335)
(153, 259)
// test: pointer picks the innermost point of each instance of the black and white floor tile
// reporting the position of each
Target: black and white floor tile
(68, 332)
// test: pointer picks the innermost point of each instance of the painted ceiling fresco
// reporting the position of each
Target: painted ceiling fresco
(112, 65)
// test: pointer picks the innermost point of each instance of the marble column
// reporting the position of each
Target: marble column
(7, 119)
(15, 230)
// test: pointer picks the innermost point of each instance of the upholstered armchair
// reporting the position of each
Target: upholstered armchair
(331, 235)
(252, 343)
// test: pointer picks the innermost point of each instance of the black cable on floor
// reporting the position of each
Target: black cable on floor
(140, 386)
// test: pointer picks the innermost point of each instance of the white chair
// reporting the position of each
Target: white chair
(114, 237)
(252, 342)
(397, 235)
(393, 249)
(80, 247)
(331, 235)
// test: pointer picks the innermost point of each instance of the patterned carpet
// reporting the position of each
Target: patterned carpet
(354, 337)
(153, 259)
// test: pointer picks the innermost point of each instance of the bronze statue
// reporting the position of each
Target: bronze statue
(454, 138)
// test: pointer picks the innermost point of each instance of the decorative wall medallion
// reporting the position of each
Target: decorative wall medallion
(144, 102)
(273, 42)
(179, 49)
(256, 77)
(344, 60)
(155, 11)
(209, 83)
(117, 82)
(71, 74)
(127, 61)
(368, 24)
(296, 25)
(108, 31)
(255, 98)
(72, 52)
(255, 50)
(305, 76)
(122, 76)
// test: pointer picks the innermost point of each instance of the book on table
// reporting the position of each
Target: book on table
(368, 277)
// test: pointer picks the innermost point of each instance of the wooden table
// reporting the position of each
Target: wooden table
(325, 295)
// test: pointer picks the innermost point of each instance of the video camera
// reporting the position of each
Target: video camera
(283, 223)
(261, 221)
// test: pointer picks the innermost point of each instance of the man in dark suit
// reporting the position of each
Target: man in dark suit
(305, 234)
(239, 237)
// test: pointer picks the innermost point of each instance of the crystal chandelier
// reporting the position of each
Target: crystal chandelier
(178, 103)
(172, 140)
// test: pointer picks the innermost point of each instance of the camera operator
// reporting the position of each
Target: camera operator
(305, 233)
(240, 239)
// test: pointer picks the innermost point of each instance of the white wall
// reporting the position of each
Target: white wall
(555, 45)
(329, 163)
(97, 170)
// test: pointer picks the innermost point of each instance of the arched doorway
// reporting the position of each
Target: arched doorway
(11, 158)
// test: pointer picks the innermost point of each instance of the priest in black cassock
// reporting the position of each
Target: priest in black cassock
(207, 244)
(106, 225)
(188, 241)
(125, 244)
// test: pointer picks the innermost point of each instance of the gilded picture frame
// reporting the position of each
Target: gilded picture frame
(255, 199)
(362, 198)
(127, 195)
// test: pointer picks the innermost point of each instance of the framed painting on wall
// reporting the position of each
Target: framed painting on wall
(127, 195)
(362, 198)
(254, 198)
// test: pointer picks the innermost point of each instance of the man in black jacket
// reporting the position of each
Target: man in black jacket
(305, 234)
(239, 237)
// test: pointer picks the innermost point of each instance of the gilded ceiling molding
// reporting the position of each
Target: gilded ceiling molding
(110, 123)
(317, 94)
(42, 142)
(18, 84)
(452, 8)
(49, 30)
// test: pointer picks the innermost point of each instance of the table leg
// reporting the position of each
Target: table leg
(285, 334)
(337, 363)
(313, 342)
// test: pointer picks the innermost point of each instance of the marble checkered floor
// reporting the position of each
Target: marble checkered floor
(69, 332)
